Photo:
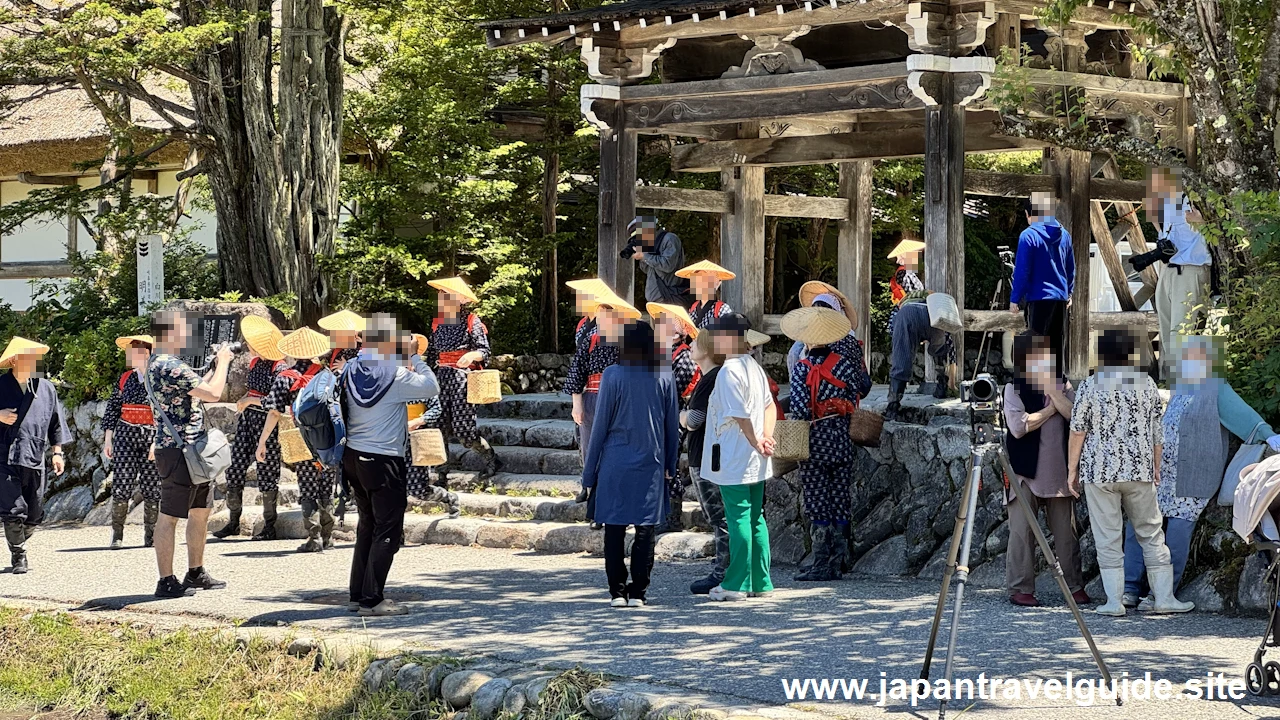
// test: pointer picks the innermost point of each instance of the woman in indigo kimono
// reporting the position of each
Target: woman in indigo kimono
(32, 422)
(633, 453)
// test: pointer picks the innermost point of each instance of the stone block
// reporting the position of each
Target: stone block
(435, 678)
(100, 515)
(411, 678)
(519, 460)
(561, 462)
(550, 361)
(1253, 590)
(507, 535)
(487, 701)
(787, 545)
(458, 687)
(458, 531)
(1202, 592)
(514, 701)
(70, 505)
(685, 546)
(553, 434)
(989, 574)
(571, 539)
(887, 558)
(502, 432)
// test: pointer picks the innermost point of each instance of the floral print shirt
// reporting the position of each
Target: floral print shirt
(1119, 411)
(171, 382)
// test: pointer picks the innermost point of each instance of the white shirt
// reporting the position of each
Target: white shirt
(1190, 244)
(741, 391)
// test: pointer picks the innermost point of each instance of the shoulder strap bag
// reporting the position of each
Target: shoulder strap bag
(208, 456)
(1248, 454)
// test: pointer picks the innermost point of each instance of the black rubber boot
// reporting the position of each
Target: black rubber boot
(820, 570)
(844, 538)
(482, 447)
(16, 535)
(119, 511)
(311, 524)
(942, 383)
(150, 513)
(235, 505)
(897, 388)
(269, 499)
(326, 523)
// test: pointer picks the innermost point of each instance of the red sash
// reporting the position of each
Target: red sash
(451, 357)
(819, 374)
(299, 380)
(593, 383)
(132, 413)
(697, 371)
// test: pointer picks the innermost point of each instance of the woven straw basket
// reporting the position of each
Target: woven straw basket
(427, 448)
(293, 449)
(791, 440)
(865, 427)
(943, 312)
(484, 387)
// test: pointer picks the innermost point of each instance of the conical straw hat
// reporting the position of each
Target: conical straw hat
(20, 346)
(588, 290)
(815, 325)
(814, 288)
(456, 286)
(421, 342)
(617, 303)
(342, 320)
(705, 266)
(263, 337)
(303, 344)
(756, 339)
(904, 247)
(124, 342)
(675, 311)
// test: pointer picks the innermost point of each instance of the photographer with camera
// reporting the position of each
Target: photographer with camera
(1037, 409)
(1184, 284)
(1044, 273)
(176, 392)
(659, 253)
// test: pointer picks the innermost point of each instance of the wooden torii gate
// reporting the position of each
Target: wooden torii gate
(751, 84)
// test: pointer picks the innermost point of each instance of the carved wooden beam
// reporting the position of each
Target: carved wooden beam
(718, 201)
(982, 182)
(35, 270)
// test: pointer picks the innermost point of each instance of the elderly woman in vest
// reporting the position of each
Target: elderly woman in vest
(1037, 410)
(1202, 411)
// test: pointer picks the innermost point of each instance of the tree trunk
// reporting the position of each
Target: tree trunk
(770, 250)
(713, 240)
(815, 237)
(550, 326)
(275, 189)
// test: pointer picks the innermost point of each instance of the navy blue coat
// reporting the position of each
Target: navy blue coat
(634, 446)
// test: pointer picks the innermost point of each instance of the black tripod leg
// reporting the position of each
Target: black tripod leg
(953, 551)
(1052, 559)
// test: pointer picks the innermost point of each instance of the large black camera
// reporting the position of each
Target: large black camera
(629, 250)
(1163, 252)
(981, 389)
(983, 395)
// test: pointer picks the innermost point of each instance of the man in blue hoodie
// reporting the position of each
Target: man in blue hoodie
(1044, 273)
(377, 387)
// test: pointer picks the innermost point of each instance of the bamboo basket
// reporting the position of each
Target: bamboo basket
(865, 427)
(293, 449)
(791, 440)
(484, 387)
(427, 448)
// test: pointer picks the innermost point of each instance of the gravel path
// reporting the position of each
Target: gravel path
(552, 610)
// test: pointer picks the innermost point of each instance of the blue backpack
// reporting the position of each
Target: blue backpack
(317, 412)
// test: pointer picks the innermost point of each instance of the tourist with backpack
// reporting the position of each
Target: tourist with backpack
(129, 429)
(265, 362)
(826, 388)
(376, 389)
(316, 480)
(459, 343)
(704, 280)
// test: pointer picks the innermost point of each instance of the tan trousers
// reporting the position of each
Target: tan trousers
(1020, 560)
(1109, 504)
(1177, 296)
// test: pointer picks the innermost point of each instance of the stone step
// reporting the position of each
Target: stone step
(558, 434)
(521, 460)
(529, 406)
(540, 536)
(504, 483)
(554, 509)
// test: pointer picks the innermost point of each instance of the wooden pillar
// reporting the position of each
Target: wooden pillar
(944, 201)
(1006, 32)
(1073, 170)
(617, 206)
(742, 236)
(853, 250)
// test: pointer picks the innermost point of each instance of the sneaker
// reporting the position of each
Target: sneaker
(455, 506)
(1130, 600)
(353, 606)
(719, 594)
(1147, 604)
(383, 609)
(19, 562)
(311, 546)
(200, 579)
(704, 585)
(117, 543)
(1024, 600)
(618, 602)
(169, 587)
(1081, 598)
(761, 593)
(635, 602)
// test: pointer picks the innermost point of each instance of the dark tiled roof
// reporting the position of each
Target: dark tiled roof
(631, 9)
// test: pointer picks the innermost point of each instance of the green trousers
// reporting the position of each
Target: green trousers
(748, 539)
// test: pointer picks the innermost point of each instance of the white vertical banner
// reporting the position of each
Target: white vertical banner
(150, 272)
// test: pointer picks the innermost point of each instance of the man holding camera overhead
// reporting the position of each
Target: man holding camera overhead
(659, 253)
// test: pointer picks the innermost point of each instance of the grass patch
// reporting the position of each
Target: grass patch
(54, 661)
(563, 698)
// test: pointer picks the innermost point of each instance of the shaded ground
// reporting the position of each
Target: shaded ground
(552, 610)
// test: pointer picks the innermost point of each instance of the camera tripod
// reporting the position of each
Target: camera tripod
(958, 560)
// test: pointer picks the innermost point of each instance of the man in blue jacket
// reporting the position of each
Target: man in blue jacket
(1044, 273)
